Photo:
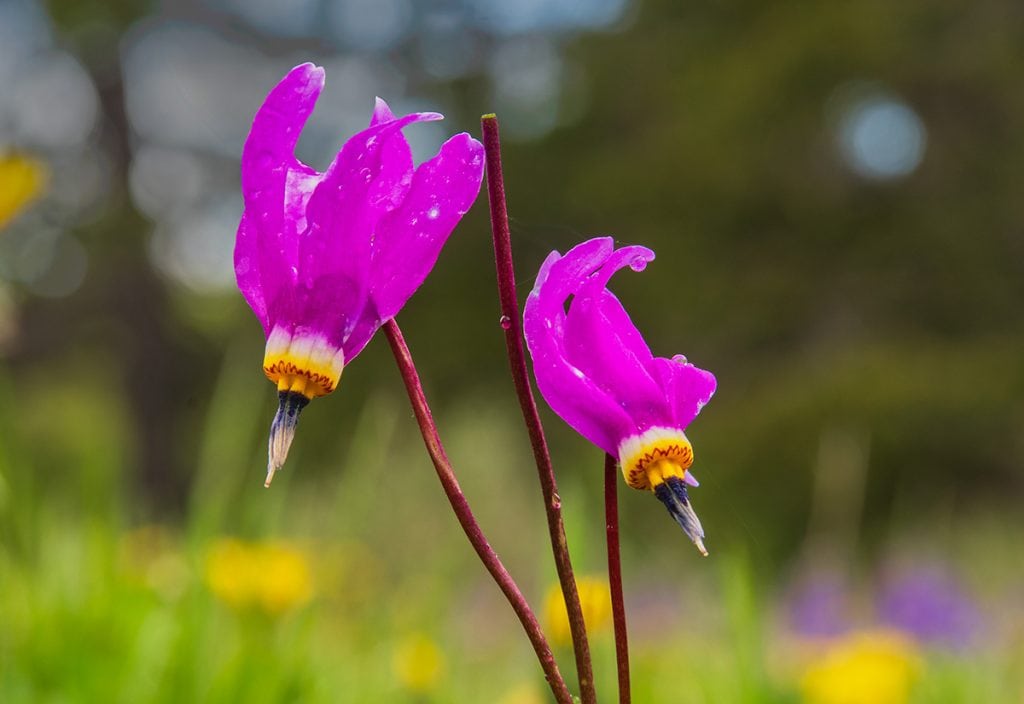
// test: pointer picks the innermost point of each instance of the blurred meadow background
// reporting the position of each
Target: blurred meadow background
(834, 194)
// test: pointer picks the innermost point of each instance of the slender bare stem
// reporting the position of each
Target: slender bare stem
(520, 375)
(611, 514)
(457, 499)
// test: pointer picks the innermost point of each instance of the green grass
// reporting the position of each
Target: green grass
(102, 604)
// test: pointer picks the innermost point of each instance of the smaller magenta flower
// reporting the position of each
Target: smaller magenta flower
(595, 370)
(325, 259)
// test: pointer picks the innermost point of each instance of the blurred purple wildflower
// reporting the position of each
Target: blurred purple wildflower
(929, 603)
(819, 605)
(324, 259)
(595, 370)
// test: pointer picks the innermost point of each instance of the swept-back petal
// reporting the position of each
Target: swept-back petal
(408, 240)
(341, 221)
(247, 272)
(687, 388)
(275, 187)
(601, 340)
(583, 404)
(396, 159)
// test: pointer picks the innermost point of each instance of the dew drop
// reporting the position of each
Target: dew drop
(639, 263)
(433, 213)
(505, 322)
(366, 174)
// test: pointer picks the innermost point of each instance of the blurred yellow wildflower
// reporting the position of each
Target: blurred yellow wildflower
(22, 180)
(597, 609)
(870, 667)
(271, 577)
(525, 693)
(418, 662)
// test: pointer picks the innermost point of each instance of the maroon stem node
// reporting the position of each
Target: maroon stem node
(460, 506)
(521, 378)
(611, 513)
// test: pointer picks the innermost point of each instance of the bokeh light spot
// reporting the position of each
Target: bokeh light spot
(370, 24)
(881, 137)
(54, 102)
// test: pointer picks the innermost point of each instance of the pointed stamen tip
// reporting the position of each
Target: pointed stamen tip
(282, 431)
(672, 493)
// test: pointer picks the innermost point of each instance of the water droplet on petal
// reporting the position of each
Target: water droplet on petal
(371, 142)
(639, 263)
(433, 213)
(680, 359)
(366, 174)
(505, 322)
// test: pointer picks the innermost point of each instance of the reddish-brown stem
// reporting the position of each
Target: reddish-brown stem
(460, 506)
(611, 515)
(521, 378)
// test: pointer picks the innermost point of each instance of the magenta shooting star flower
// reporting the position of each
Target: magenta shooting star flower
(595, 370)
(324, 259)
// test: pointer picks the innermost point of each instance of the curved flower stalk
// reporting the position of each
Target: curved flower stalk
(595, 370)
(324, 259)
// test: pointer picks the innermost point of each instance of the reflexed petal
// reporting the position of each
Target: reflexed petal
(342, 218)
(275, 186)
(687, 387)
(578, 263)
(247, 273)
(603, 343)
(396, 159)
(586, 407)
(409, 240)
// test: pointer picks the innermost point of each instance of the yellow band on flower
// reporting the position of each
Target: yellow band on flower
(305, 363)
(653, 456)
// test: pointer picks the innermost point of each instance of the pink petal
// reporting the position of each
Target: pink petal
(342, 218)
(583, 404)
(601, 340)
(687, 388)
(409, 240)
(247, 272)
(396, 159)
(274, 186)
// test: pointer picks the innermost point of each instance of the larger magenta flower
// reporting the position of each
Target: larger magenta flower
(596, 372)
(324, 259)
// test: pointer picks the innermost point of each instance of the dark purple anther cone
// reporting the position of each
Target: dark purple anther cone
(928, 603)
